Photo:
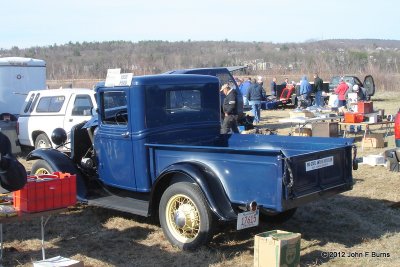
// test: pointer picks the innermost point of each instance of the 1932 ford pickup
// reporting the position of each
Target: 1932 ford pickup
(155, 148)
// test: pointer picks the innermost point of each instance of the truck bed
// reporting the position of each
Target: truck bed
(281, 172)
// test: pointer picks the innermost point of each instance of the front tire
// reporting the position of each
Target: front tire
(42, 141)
(41, 167)
(185, 217)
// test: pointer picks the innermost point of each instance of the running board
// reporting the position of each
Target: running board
(125, 204)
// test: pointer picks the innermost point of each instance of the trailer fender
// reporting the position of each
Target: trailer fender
(206, 179)
(61, 162)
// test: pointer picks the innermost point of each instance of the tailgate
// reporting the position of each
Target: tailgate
(314, 174)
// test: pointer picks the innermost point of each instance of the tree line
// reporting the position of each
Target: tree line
(90, 60)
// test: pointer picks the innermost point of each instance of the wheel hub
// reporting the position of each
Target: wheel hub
(185, 215)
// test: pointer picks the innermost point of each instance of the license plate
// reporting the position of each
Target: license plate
(247, 219)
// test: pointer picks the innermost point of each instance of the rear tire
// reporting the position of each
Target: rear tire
(42, 141)
(185, 217)
(41, 167)
(277, 217)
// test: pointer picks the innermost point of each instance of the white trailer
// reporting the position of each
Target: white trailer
(18, 76)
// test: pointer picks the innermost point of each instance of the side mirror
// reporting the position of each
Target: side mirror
(59, 136)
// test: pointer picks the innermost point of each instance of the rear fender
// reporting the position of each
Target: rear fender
(201, 175)
(59, 161)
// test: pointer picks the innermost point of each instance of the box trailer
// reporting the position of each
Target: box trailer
(18, 76)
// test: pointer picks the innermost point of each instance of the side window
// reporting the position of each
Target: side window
(28, 105)
(183, 101)
(177, 104)
(113, 108)
(82, 105)
(50, 104)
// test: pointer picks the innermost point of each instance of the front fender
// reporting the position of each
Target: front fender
(208, 182)
(59, 161)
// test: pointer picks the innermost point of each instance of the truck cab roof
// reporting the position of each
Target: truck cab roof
(167, 79)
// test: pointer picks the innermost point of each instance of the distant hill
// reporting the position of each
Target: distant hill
(90, 60)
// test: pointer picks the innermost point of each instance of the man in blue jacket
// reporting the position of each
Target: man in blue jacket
(244, 88)
(305, 91)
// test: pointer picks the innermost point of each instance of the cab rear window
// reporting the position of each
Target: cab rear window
(50, 104)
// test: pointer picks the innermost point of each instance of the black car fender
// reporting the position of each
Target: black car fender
(205, 178)
(61, 162)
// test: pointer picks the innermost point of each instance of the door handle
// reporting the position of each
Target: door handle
(70, 120)
(126, 134)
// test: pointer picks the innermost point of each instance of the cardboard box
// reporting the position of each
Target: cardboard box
(373, 140)
(58, 261)
(325, 129)
(277, 248)
(302, 132)
(46, 192)
(374, 160)
(301, 114)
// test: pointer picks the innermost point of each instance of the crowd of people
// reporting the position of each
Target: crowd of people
(253, 93)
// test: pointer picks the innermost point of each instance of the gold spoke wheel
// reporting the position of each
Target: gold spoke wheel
(183, 219)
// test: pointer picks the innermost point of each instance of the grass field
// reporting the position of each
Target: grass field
(363, 223)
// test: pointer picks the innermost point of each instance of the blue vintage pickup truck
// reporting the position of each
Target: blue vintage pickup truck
(154, 148)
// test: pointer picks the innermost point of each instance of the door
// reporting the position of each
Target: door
(369, 85)
(113, 141)
(78, 110)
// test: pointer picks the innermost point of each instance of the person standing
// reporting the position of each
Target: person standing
(341, 91)
(255, 95)
(361, 92)
(318, 84)
(273, 87)
(285, 83)
(305, 91)
(230, 110)
(244, 88)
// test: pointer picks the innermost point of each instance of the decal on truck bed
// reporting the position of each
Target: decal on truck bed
(319, 163)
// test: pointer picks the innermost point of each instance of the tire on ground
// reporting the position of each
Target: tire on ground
(42, 141)
(41, 167)
(185, 217)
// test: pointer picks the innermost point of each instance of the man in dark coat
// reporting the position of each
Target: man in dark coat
(255, 95)
(12, 173)
(230, 110)
(318, 85)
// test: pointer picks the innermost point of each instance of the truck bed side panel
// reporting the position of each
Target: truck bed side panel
(245, 176)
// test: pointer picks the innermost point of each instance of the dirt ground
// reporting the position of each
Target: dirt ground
(357, 228)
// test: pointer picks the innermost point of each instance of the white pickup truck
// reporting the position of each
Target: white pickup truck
(45, 110)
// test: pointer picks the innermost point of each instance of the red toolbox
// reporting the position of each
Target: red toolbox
(46, 192)
(365, 107)
(353, 117)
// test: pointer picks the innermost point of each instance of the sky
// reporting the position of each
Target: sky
(29, 23)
